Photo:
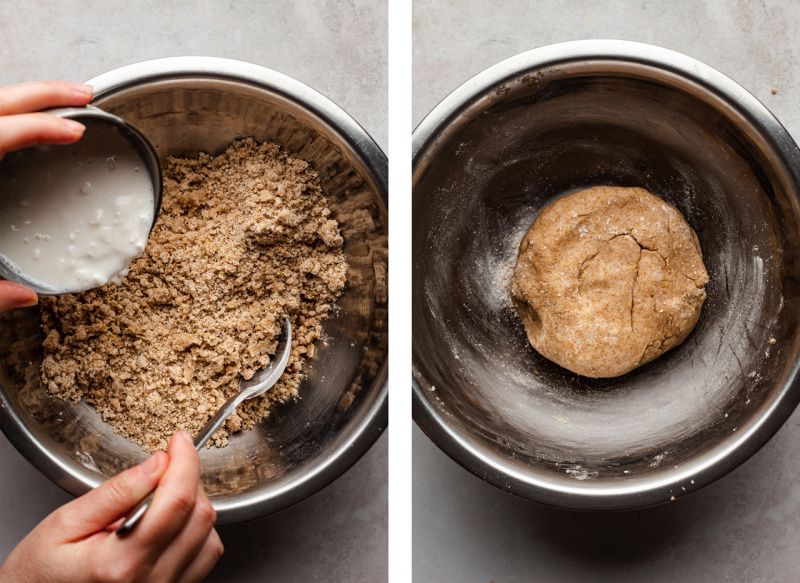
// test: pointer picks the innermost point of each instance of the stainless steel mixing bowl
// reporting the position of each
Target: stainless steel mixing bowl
(185, 106)
(550, 122)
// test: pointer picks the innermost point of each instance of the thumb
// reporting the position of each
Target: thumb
(110, 501)
(13, 295)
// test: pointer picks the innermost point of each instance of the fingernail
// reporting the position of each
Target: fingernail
(186, 436)
(83, 91)
(151, 464)
(13, 295)
(74, 126)
(31, 300)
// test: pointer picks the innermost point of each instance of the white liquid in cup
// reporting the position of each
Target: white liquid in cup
(72, 217)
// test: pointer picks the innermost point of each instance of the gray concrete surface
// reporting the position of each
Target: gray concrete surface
(745, 527)
(339, 49)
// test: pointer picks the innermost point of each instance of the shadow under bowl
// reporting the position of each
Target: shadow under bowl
(548, 123)
(185, 106)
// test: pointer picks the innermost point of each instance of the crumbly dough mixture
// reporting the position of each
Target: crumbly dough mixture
(607, 279)
(242, 239)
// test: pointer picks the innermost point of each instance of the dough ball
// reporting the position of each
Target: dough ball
(607, 279)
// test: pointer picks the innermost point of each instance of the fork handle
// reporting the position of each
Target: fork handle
(228, 409)
(135, 515)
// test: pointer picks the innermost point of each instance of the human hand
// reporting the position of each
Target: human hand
(174, 541)
(21, 125)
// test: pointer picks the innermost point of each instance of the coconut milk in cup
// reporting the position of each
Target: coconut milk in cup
(74, 216)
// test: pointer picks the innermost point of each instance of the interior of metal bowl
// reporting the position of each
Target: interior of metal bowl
(552, 122)
(186, 106)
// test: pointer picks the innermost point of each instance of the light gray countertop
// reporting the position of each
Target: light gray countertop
(339, 49)
(745, 527)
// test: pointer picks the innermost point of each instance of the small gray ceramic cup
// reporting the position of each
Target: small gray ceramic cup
(99, 123)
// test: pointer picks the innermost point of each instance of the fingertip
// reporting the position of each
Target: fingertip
(155, 464)
(14, 295)
(83, 92)
(184, 460)
(180, 442)
(39, 95)
(74, 127)
(183, 436)
(63, 93)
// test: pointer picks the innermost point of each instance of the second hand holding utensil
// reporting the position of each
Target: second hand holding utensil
(257, 385)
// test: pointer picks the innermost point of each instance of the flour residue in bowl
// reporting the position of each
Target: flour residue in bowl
(581, 473)
(242, 239)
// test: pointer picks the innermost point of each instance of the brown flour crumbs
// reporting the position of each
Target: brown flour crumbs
(242, 239)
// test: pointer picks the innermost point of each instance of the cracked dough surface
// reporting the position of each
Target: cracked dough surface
(607, 279)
